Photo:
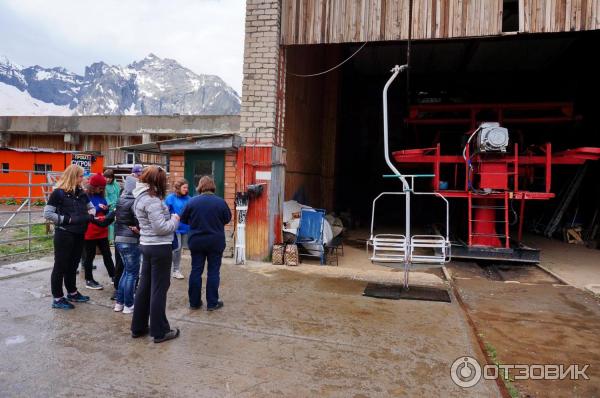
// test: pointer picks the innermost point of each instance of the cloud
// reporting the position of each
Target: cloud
(206, 36)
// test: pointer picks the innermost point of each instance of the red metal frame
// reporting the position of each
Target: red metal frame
(466, 114)
(492, 171)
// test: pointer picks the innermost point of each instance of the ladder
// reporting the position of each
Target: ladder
(485, 228)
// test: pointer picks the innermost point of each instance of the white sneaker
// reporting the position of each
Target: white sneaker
(118, 307)
(128, 310)
(178, 275)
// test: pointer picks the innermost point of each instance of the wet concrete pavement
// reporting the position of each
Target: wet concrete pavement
(281, 333)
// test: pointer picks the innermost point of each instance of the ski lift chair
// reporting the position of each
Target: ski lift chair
(310, 232)
(406, 250)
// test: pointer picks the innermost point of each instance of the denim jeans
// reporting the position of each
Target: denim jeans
(182, 239)
(130, 254)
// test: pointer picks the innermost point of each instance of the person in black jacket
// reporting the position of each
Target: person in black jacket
(70, 210)
(207, 215)
(127, 245)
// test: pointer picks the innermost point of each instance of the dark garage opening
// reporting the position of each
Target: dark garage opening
(333, 122)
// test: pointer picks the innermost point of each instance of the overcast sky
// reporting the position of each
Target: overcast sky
(206, 36)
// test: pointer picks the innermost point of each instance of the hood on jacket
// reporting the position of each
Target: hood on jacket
(130, 183)
(140, 188)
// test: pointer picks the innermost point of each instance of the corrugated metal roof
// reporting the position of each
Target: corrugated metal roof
(155, 147)
(39, 150)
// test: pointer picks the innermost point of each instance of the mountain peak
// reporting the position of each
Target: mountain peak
(4, 60)
(151, 86)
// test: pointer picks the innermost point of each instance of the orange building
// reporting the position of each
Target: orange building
(17, 164)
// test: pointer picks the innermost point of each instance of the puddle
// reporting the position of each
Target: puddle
(13, 340)
(34, 293)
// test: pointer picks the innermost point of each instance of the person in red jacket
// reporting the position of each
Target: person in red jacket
(96, 234)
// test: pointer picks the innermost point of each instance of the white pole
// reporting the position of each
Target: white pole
(397, 69)
(405, 186)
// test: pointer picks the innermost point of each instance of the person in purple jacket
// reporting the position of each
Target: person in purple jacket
(207, 215)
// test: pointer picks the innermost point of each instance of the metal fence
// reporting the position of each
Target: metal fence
(23, 229)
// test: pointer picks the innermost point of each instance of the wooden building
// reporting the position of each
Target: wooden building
(314, 71)
(23, 169)
(106, 134)
(214, 155)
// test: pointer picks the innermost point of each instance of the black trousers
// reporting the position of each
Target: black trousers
(90, 253)
(67, 252)
(151, 295)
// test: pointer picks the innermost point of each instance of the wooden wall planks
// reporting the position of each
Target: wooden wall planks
(339, 21)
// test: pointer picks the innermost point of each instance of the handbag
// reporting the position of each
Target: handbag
(291, 255)
(278, 254)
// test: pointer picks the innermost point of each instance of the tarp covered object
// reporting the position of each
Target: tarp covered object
(291, 220)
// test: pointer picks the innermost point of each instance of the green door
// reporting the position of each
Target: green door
(205, 163)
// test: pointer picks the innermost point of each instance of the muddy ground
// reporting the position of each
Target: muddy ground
(525, 316)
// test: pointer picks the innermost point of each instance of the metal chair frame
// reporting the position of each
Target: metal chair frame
(398, 249)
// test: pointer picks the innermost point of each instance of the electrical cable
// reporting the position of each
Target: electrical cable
(469, 164)
(408, 51)
(330, 69)
(516, 216)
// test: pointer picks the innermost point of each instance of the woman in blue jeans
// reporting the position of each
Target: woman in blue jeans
(127, 243)
(206, 215)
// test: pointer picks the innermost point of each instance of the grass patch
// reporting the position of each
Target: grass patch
(42, 241)
(493, 355)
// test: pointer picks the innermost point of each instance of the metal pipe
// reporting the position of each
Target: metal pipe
(14, 214)
(23, 225)
(26, 239)
(29, 213)
(396, 70)
(373, 207)
(405, 187)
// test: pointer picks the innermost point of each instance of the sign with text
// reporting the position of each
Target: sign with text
(84, 160)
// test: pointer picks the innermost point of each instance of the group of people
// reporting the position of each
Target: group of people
(149, 228)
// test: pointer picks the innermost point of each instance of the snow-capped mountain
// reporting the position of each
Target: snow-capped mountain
(152, 86)
(15, 102)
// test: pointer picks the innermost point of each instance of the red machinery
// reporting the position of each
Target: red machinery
(489, 177)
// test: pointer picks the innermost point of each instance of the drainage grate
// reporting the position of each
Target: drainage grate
(397, 292)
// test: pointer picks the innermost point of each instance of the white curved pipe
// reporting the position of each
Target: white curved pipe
(397, 69)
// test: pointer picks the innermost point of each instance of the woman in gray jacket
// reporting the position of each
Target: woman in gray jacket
(156, 226)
